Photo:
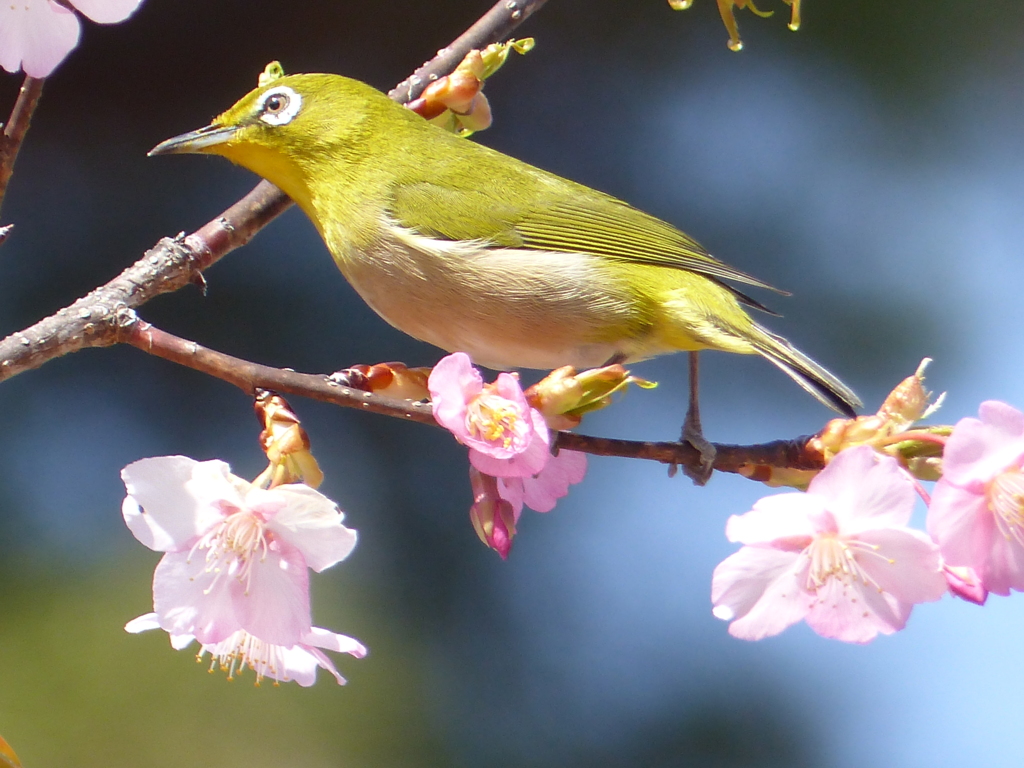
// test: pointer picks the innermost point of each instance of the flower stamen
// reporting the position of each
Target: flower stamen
(242, 650)
(832, 557)
(233, 545)
(493, 418)
(1006, 501)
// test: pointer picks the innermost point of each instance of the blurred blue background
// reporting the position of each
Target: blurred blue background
(872, 164)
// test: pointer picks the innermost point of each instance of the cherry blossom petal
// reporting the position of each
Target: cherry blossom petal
(276, 606)
(452, 383)
(107, 11)
(332, 641)
(159, 509)
(212, 484)
(1003, 569)
(148, 621)
(865, 490)
(143, 623)
(36, 35)
(509, 388)
(297, 658)
(189, 600)
(965, 583)
(905, 564)
(854, 612)
(762, 588)
(312, 523)
(980, 449)
(181, 642)
(542, 492)
(961, 522)
(511, 490)
(785, 516)
(299, 665)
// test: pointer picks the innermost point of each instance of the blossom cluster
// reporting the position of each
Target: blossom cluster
(841, 556)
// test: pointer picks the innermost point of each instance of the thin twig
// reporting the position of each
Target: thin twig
(248, 376)
(492, 27)
(16, 128)
(94, 320)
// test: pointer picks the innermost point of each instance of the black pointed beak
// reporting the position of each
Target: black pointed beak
(195, 141)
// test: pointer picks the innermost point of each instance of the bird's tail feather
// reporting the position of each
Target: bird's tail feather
(805, 372)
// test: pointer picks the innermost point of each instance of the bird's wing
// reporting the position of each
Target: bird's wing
(616, 230)
(583, 221)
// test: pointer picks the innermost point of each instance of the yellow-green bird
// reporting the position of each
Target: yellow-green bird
(472, 250)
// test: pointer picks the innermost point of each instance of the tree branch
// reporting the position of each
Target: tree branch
(248, 376)
(95, 320)
(16, 128)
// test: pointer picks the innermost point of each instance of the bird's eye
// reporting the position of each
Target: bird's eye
(279, 105)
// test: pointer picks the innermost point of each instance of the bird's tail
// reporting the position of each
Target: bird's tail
(805, 372)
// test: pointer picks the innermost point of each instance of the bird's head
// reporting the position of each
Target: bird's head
(286, 129)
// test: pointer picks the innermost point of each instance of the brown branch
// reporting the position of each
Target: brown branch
(95, 319)
(740, 459)
(492, 27)
(16, 128)
(248, 376)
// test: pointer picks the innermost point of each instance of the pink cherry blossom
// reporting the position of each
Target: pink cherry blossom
(239, 650)
(509, 448)
(839, 556)
(977, 509)
(236, 554)
(505, 436)
(37, 34)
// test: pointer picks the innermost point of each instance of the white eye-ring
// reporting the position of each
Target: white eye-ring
(279, 105)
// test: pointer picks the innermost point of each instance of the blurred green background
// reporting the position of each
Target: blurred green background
(871, 163)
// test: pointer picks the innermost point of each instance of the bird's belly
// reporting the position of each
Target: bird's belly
(506, 308)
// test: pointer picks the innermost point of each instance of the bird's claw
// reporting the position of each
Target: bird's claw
(693, 435)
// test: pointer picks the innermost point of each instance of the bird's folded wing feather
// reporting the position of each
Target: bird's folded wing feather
(587, 222)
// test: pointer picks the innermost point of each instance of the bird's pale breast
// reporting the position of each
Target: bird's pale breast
(505, 307)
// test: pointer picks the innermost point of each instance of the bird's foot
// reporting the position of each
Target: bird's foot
(693, 435)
